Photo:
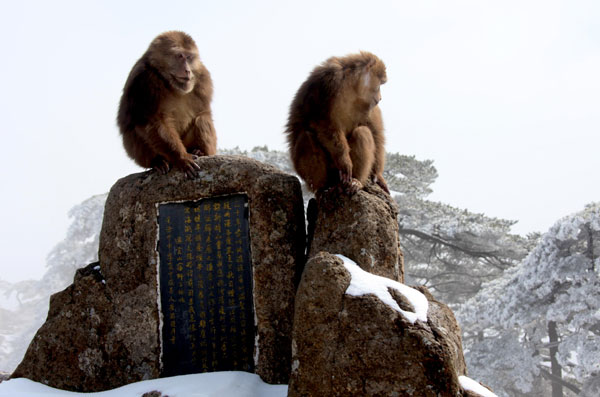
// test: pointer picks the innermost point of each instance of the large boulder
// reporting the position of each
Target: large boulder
(104, 330)
(358, 334)
(363, 227)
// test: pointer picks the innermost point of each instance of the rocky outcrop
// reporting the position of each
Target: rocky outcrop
(352, 328)
(363, 227)
(347, 341)
(103, 331)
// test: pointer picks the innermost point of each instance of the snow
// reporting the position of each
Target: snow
(474, 386)
(213, 384)
(558, 281)
(364, 283)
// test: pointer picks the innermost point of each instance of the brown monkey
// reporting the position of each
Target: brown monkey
(164, 114)
(335, 129)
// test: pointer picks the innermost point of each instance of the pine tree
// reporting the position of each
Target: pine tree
(548, 308)
(451, 251)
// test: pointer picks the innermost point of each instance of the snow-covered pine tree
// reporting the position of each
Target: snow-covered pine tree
(537, 328)
(451, 251)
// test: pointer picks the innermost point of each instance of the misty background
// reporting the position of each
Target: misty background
(492, 124)
(502, 96)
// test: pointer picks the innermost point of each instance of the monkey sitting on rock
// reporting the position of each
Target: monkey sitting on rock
(164, 114)
(335, 128)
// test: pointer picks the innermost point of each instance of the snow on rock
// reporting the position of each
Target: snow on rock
(364, 283)
(357, 332)
(474, 386)
(213, 384)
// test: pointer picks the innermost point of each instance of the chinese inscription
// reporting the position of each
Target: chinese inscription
(206, 286)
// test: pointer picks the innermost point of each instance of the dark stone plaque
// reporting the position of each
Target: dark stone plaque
(206, 286)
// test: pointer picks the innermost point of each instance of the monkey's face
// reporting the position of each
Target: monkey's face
(370, 89)
(181, 66)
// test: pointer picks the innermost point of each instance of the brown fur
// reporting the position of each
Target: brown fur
(164, 115)
(335, 129)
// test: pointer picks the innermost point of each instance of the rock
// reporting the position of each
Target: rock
(362, 227)
(346, 345)
(103, 330)
(154, 393)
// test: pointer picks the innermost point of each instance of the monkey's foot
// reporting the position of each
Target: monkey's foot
(382, 184)
(198, 152)
(351, 188)
(161, 166)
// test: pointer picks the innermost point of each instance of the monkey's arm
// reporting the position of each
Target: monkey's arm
(163, 138)
(204, 137)
(375, 124)
(379, 162)
(335, 143)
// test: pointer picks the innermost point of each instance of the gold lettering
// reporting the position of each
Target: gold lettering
(207, 263)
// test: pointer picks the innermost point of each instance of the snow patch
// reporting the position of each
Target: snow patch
(474, 386)
(364, 283)
(213, 384)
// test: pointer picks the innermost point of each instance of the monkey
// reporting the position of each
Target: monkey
(164, 114)
(335, 127)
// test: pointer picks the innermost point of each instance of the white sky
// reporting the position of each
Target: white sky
(503, 96)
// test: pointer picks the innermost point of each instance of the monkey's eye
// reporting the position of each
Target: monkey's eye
(187, 57)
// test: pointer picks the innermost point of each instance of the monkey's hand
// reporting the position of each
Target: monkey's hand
(189, 166)
(346, 177)
(348, 184)
(378, 179)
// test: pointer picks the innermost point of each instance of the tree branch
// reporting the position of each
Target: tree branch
(563, 382)
(434, 239)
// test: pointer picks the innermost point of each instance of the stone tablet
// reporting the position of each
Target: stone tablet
(106, 329)
(205, 282)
